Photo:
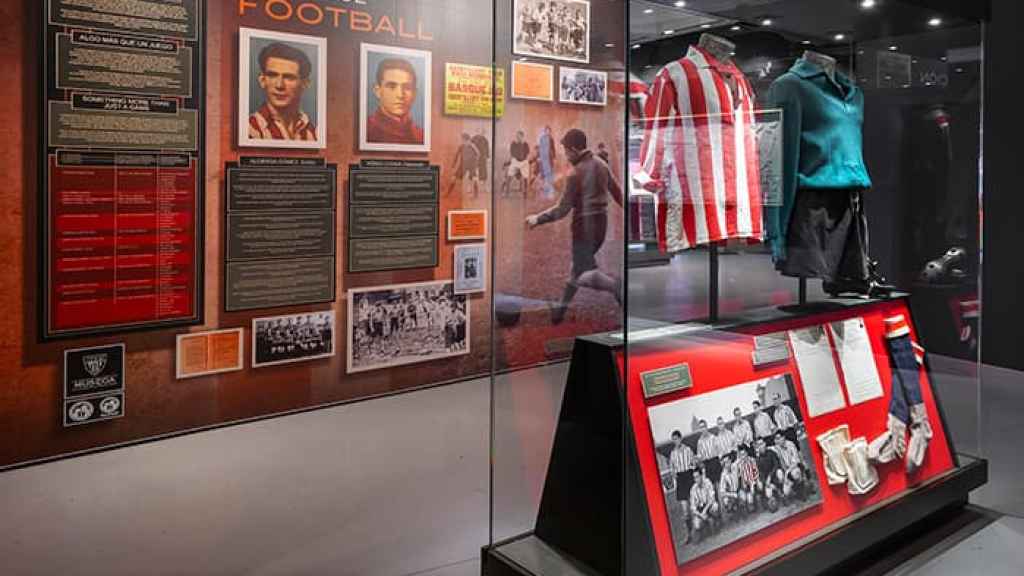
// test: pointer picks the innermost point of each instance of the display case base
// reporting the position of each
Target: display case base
(836, 552)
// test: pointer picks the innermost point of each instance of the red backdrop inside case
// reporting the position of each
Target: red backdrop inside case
(724, 360)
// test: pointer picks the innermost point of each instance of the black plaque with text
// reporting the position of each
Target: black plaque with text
(280, 233)
(393, 215)
(122, 164)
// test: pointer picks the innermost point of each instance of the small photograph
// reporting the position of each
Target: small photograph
(532, 81)
(294, 338)
(282, 90)
(556, 29)
(733, 462)
(394, 102)
(406, 324)
(470, 268)
(579, 86)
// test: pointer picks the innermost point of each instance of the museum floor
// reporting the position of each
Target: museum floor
(390, 487)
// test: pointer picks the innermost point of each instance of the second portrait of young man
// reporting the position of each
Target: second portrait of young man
(282, 96)
(394, 99)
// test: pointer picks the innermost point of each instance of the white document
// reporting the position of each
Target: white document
(817, 367)
(857, 360)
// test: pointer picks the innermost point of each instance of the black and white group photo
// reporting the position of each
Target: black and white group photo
(733, 462)
(295, 338)
(557, 29)
(406, 324)
(579, 86)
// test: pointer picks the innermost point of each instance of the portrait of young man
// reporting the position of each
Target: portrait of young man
(282, 90)
(394, 111)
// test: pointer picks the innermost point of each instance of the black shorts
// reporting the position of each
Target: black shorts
(588, 234)
(827, 236)
(684, 481)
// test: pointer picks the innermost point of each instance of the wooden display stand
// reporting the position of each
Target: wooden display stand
(601, 511)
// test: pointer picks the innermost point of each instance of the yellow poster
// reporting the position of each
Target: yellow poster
(467, 91)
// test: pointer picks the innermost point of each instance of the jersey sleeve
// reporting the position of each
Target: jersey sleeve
(660, 118)
(784, 93)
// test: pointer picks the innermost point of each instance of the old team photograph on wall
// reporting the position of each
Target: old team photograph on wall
(733, 462)
(282, 90)
(293, 338)
(394, 99)
(556, 29)
(406, 324)
(579, 86)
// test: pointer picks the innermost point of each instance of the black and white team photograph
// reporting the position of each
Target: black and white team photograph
(579, 86)
(406, 324)
(294, 338)
(556, 29)
(733, 462)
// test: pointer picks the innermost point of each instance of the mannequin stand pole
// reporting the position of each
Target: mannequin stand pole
(803, 291)
(713, 283)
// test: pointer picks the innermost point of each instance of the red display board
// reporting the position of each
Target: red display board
(122, 240)
(719, 360)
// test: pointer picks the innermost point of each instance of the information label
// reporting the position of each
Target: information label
(269, 284)
(281, 233)
(666, 380)
(393, 215)
(122, 235)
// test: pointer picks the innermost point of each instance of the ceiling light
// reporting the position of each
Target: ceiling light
(943, 58)
(667, 32)
(649, 11)
(636, 46)
(733, 54)
(767, 22)
(736, 28)
(705, 26)
(609, 45)
(868, 4)
(960, 70)
(893, 48)
(680, 4)
(935, 22)
(805, 42)
(839, 37)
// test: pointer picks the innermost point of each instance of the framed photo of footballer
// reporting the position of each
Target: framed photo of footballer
(406, 324)
(294, 338)
(737, 459)
(394, 99)
(282, 90)
(555, 29)
(582, 86)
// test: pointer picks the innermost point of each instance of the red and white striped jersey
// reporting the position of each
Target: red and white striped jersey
(264, 126)
(700, 154)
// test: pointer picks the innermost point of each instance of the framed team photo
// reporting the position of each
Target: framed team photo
(394, 99)
(406, 324)
(282, 90)
(580, 86)
(555, 29)
(294, 338)
(733, 462)
(532, 81)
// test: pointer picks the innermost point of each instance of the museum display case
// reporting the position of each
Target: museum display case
(795, 379)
